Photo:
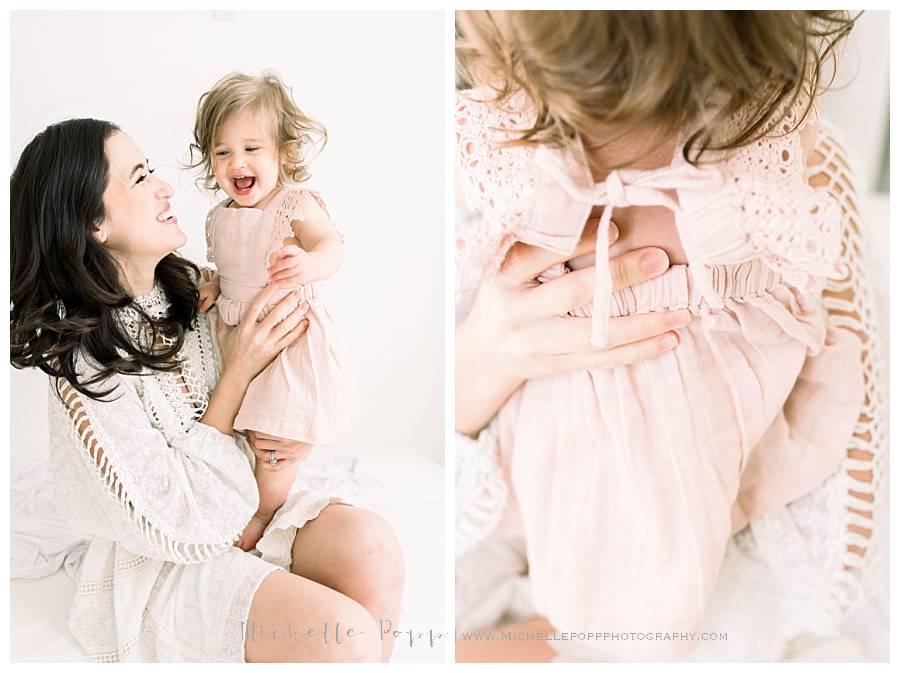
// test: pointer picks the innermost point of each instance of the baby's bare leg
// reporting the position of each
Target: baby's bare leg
(274, 484)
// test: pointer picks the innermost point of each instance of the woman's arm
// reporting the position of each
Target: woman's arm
(247, 349)
(183, 498)
(518, 329)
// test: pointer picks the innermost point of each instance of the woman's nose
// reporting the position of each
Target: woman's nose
(165, 189)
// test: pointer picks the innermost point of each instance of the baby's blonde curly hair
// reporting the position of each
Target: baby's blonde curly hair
(297, 136)
(605, 72)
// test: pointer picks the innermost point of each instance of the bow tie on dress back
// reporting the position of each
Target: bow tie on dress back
(621, 189)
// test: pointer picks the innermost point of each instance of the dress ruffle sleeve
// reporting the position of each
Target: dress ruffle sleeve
(183, 499)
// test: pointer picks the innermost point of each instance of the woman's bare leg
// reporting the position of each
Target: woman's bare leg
(495, 649)
(293, 619)
(355, 551)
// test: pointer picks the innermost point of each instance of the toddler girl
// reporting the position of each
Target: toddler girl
(253, 140)
(693, 131)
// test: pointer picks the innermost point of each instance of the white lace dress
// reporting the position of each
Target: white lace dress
(793, 572)
(164, 498)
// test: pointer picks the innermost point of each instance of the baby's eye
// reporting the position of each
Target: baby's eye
(251, 149)
(221, 153)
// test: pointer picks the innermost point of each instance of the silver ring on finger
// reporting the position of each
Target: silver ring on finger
(272, 460)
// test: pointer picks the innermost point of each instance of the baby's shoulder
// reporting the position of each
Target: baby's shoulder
(496, 176)
(301, 203)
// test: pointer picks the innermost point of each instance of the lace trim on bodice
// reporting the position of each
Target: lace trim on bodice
(182, 384)
(793, 229)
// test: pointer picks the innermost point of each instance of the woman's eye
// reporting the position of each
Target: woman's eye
(145, 176)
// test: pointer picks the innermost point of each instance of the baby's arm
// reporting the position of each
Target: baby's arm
(209, 291)
(320, 253)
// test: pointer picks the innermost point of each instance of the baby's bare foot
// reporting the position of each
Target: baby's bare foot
(252, 532)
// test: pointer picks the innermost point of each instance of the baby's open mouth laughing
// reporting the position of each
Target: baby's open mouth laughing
(243, 184)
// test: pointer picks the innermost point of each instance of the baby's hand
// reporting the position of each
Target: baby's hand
(292, 265)
(209, 292)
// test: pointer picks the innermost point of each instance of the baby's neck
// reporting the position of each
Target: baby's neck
(633, 150)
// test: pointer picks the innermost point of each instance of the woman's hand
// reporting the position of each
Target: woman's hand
(251, 345)
(518, 329)
(287, 452)
(246, 350)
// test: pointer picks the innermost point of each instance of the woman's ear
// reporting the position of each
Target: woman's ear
(100, 233)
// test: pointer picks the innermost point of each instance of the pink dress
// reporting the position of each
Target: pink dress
(307, 393)
(629, 482)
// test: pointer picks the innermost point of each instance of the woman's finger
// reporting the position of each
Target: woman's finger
(525, 262)
(282, 311)
(291, 321)
(566, 335)
(637, 266)
(559, 296)
(259, 302)
(625, 354)
(629, 329)
(576, 289)
(293, 335)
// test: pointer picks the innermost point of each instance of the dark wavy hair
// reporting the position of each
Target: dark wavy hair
(610, 71)
(65, 287)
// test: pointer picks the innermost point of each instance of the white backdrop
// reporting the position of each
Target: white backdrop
(374, 79)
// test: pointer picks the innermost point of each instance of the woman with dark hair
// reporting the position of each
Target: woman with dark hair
(141, 412)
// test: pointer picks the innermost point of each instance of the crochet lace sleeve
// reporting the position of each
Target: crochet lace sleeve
(184, 500)
(493, 180)
(481, 493)
(849, 302)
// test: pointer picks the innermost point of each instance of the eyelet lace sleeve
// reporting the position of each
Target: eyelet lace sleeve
(848, 300)
(184, 499)
(481, 493)
(795, 230)
(493, 183)
(293, 206)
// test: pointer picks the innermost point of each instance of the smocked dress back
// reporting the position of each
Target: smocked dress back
(307, 393)
(629, 482)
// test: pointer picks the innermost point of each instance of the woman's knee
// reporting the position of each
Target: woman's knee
(293, 619)
(378, 552)
(352, 550)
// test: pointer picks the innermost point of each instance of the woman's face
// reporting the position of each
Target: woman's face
(139, 225)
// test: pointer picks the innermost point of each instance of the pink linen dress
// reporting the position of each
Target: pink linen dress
(307, 393)
(628, 482)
